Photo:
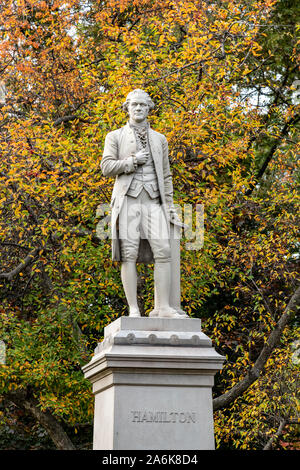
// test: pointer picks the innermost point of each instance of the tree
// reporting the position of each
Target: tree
(67, 67)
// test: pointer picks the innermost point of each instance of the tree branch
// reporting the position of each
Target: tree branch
(272, 150)
(16, 245)
(274, 438)
(275, 145)
(27, 261)
(45, 418)
(227, 398)
(68, 118)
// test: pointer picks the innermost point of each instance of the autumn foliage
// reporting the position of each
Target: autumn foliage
(225, 99)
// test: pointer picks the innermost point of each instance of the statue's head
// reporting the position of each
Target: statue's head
(138, 104)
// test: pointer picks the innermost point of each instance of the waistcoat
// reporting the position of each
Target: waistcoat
(145, 175)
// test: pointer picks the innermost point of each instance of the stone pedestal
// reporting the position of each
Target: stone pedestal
(152, 379)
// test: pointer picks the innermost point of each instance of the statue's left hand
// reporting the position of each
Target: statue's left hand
(174, 218)
(172, 214)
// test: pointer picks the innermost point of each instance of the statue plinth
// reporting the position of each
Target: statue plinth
(152, 380)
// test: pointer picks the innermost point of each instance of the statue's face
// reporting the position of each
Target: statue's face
(138, 109)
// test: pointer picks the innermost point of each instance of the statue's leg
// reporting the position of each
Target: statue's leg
(162, 281)
(155, 226)
(129, 232)
(129, 280)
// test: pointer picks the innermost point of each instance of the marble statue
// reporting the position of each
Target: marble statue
(142, 204)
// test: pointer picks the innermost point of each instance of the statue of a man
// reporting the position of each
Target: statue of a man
(142, 202)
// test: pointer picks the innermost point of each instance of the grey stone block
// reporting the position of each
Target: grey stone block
(152, 379)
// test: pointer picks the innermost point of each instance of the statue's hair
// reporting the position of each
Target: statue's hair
(135, 92)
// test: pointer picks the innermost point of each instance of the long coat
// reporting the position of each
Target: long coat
(120, 146)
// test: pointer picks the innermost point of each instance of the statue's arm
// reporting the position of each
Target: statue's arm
(110, 163)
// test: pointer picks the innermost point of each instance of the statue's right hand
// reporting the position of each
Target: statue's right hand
(141, 157)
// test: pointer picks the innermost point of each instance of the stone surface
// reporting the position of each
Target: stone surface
(152, 381)
(160, 331)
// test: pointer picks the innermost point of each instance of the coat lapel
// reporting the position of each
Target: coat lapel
(155, 150)
(128, 142)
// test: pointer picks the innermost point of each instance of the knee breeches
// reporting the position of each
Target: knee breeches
(143, 217)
